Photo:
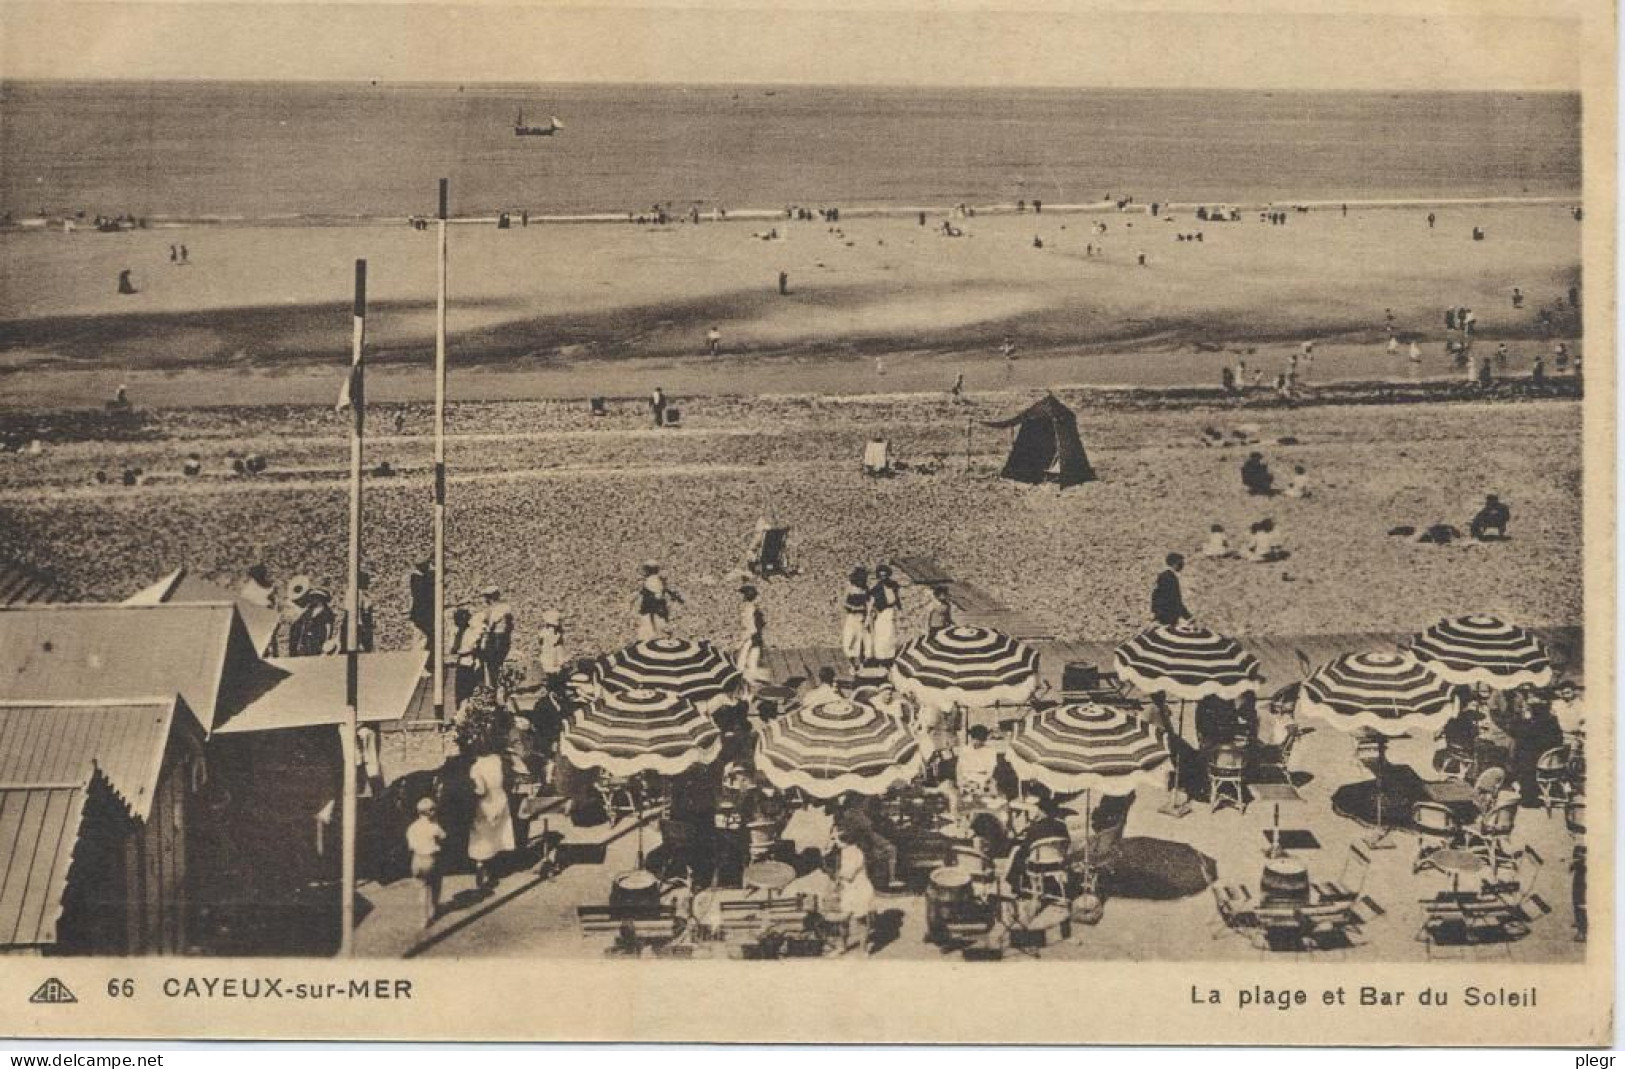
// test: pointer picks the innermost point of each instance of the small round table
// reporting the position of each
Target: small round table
(769, 876)
(1456, 863)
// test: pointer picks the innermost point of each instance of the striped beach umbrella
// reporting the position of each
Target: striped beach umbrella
(640, 731)
(1087, 747)
(1385, 693)
(1188, 662)
(970, 666)
(696, 671)
(834, 747)
(1484, 649)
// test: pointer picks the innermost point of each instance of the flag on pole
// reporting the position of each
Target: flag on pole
(352, 397)
(350, 394)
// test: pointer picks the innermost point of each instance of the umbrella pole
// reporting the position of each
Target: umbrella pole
(1178, 805)
(1378, 840)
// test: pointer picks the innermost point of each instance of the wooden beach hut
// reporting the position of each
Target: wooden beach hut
(96, 802)
(269, 736)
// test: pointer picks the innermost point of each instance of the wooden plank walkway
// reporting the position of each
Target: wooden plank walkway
(976, 606)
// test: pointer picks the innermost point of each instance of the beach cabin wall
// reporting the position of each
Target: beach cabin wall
(258, 856)
(127, 890)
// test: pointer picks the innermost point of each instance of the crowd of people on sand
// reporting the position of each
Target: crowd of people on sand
(511, 709)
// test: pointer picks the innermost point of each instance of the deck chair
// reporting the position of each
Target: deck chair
(1350, 883)
(877, 457)
(1236, 909)
(772, 557)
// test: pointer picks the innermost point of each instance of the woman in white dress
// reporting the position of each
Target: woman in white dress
(491, 831)
(853, 889)
(855, 618)
(884, 602)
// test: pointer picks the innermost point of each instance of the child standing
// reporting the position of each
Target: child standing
(551, 636)
(423, 839)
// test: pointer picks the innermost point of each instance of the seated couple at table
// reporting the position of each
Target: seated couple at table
(974, 776)
(1061, 831)
(1222, 722)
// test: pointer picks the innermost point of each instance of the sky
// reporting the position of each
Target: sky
(1371, 45)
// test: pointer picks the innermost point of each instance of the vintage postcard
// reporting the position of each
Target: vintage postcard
(938, 521)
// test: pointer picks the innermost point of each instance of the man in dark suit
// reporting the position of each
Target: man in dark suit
(1167, 599)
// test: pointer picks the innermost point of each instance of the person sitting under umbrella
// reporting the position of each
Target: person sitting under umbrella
(1049, 827)
(854, 826)
(974, 774)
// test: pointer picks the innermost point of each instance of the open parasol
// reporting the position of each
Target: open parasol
(834, 747)
(1188, 662)
(1484, 649)
(694, 670)
(970, 666)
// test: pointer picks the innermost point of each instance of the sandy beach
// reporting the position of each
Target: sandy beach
(875, 304)
(558, 508)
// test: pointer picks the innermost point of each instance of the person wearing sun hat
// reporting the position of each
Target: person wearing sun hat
(496, 634)
(315, 630)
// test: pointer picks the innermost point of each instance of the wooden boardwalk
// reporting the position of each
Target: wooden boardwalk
(973, 605)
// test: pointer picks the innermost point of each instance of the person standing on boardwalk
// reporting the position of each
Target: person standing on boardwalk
(496, 635)
(885, 601)
(752, 634)
(1167, 596)
(551, 639)
(490, 830)
(942, 610)
(653, 603)
(423, 840)
(657, 406)
(713, 341)
(855, 618)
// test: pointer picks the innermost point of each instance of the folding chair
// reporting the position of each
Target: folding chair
(1552, 777)
(1237, 911)
(1277, 759)
(1350, 882)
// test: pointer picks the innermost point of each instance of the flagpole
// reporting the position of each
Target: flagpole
(352, 612)
(438, 652)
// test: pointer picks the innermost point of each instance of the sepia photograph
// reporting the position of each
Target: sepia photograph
(960, 493)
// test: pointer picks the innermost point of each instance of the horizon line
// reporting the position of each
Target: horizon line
(609, 83)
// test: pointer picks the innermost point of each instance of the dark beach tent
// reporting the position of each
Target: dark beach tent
(1047, 446)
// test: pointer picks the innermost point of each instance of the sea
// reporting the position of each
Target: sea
(317, 152)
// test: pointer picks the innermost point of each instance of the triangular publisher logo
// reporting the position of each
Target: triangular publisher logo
(52, 992)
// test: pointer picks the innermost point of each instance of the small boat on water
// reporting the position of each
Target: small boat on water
(521, 130)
